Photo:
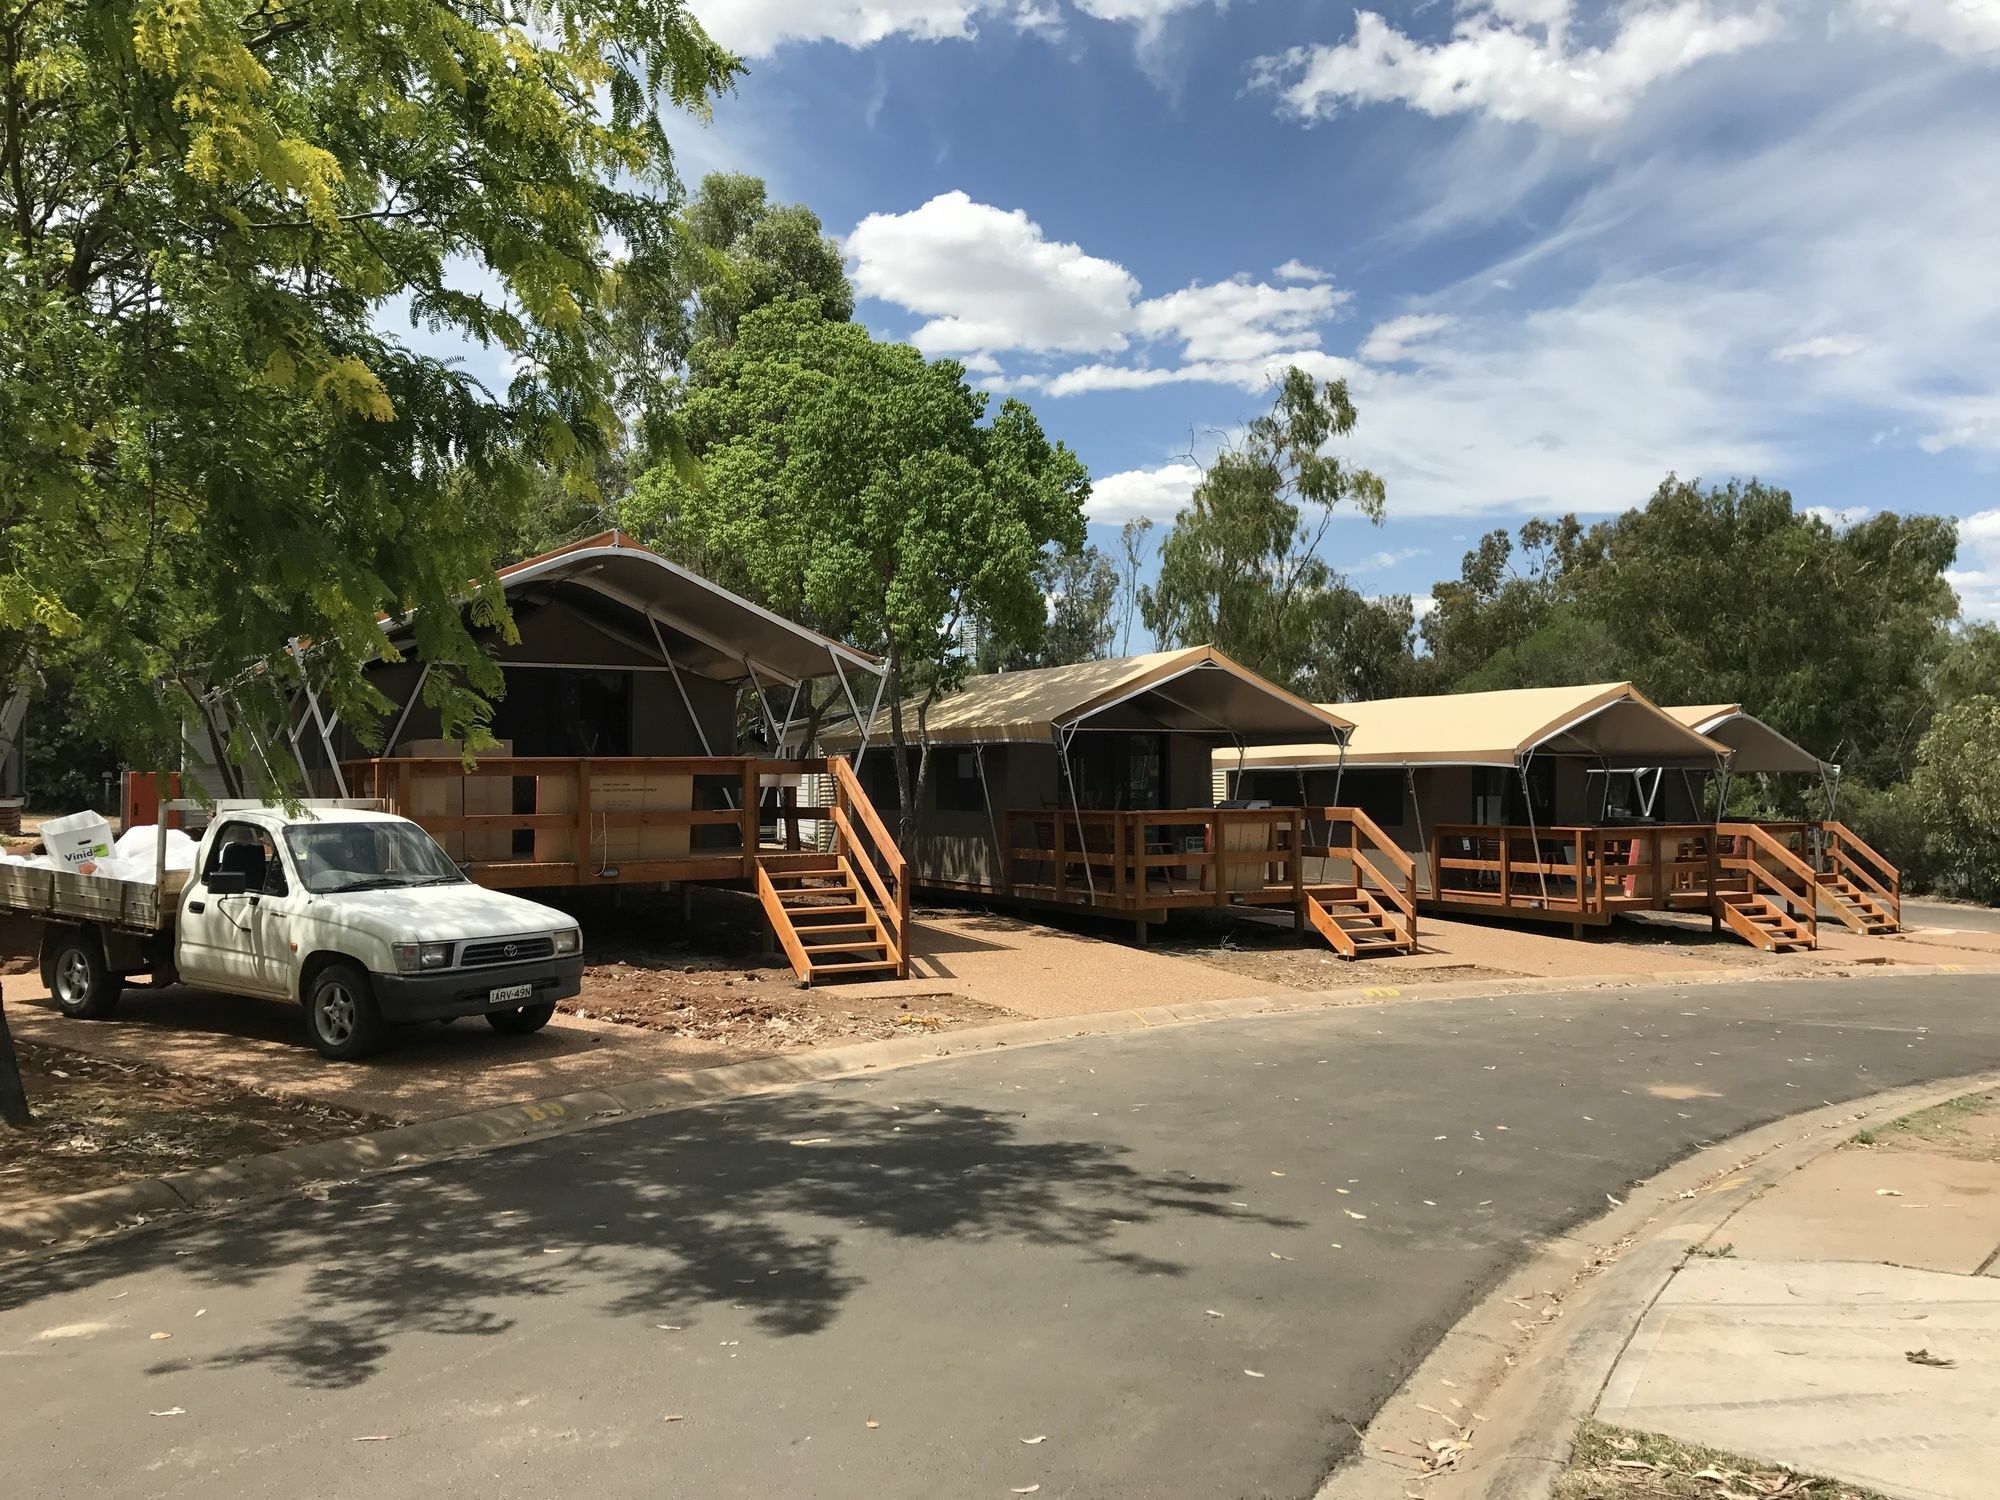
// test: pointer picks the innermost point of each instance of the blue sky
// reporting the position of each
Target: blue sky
(1558, 248)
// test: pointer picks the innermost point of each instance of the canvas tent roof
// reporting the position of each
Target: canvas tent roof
(1611, 723)
(627, 590)
(1197, 690)
(1759, 748)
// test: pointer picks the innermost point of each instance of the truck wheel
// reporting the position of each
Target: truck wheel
(520, 1022)
(342, 1018)
(84, 989)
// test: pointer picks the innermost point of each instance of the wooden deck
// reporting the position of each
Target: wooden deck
(1330, 866)
(522, 822)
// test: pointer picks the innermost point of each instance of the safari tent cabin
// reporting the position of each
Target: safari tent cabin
(1090, 784)
(636, 734)
(1856, 885)
(1518, 803)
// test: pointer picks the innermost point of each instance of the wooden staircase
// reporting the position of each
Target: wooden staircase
(1375, 911)
(1763, 923)
(1855, 906)
(1857, 885)
(1764, 892)
(843, 914)
(1356, 924)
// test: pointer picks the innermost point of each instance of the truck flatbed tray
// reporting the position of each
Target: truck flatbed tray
(61, 895)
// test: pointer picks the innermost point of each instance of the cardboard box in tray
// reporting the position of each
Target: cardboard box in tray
(615, 792)
(477, 793)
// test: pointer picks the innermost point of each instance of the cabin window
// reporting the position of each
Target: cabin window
(955, 773)
(1379, 794)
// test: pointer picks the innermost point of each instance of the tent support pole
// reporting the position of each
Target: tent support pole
(1000, 852)
(868, 727)
(404, 717)
(1063, 738)
(853, 707)
(1535, 839)
(680, 687)
(1423, 844)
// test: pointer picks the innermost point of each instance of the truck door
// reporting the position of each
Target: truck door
(218, 934)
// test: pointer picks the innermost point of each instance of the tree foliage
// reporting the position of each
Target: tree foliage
(1241, 569)
(208, 214)
(1956, 788)
(1081, 590)
(861, 487)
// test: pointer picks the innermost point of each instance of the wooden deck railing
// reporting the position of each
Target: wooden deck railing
(1150, 859)
(565, 821)
(1587, 872)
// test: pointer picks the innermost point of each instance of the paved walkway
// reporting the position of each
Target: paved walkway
(1848, 1322)
(1180, 1262)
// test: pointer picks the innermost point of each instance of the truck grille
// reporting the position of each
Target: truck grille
(505, 951)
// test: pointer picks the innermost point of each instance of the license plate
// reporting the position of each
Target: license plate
(508, 992)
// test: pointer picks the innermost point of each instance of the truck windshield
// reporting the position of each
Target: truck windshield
(334, 857)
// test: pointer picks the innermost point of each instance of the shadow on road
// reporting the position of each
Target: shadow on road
(744, 1206)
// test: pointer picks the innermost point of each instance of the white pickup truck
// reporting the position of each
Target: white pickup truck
(356, 914)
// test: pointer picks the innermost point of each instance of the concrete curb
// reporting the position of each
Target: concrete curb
(1527, 1392)
(129, 1205)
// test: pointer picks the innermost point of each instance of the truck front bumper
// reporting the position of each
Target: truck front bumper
(469, 992)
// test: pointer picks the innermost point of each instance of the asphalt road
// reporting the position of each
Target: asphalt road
(886, 1287)
(1954, 914)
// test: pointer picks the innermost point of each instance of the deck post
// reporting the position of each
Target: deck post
(1299, 872)
(582, 835)
(1139, 931)
(1062, 861)
(1506, 868)
(403, 802)
(750, 813)
(1117, 860)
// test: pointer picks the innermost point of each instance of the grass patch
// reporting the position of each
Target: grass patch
(1612, 1463)
(1967, 1127)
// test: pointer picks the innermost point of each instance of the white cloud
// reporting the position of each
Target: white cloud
(989, 279)
(1391, 341)
(1839, 520)
(1422, 604)
(1377, 562)
(758, 28)
(1513, 60)
(1298, 270)
(1824, 346)
(1970, 28)
(1138, 494)
(1978, 584)
(1237, 321)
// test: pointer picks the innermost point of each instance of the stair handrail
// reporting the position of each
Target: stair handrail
(1885, 880)
(1758, 873)
(878, 855)
(781, 924)
(1402, 894)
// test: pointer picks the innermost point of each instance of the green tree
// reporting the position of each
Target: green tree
(733, 252)
(1957, 789)
(1241, 568)
(1082, 591)
(861, 487)
(1503, 595)
(210, 215)
(1133, 544)
(1568, 648)
(1729, 594)
(1970, 665)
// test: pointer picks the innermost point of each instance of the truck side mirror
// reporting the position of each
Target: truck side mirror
(226, 882)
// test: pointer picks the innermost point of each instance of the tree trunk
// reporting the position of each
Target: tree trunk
(13, 1095)
(905, 803)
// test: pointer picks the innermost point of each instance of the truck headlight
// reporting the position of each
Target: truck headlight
(569, 940)
(416, 958)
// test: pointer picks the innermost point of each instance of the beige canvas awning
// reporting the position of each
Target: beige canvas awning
(650, 602)
(1197, 691)
(1611, 724)
(1759, 749)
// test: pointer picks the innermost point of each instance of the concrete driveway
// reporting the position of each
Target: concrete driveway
(1185, 1262)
